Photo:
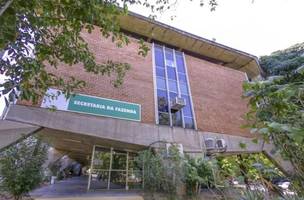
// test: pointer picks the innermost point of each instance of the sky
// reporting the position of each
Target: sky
(258, 27)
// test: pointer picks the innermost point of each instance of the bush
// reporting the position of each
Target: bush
(198, 172)
(162, 173)
(21, 167)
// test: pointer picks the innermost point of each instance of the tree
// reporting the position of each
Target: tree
(283, 61)
(276, 112)
(35, 34)
(21, 166)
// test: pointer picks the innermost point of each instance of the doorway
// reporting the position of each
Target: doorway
(113, 169)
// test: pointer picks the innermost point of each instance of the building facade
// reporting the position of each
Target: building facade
(186, 91)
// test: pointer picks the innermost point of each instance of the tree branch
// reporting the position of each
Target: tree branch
(6, 5)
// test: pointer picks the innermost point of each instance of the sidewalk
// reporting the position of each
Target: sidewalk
(137, 197)
(75, 188)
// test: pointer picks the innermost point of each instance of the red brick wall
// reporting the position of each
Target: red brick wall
(216, 94)
(138, 82)
(216, 90)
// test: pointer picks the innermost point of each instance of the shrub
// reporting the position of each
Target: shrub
(21, 167)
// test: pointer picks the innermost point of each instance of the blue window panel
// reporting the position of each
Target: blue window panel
(184, 88)
(180, 64)
(159, 57)
(162, 101)
(187, 110)
(169, 54)
(178, 53)
(160, 72)
(161, 83)
(171, 73)
(172, 95)
(169, 57)
(177, 119)
(172, 86)
(189, 122)
(163, 118)
(182, 78)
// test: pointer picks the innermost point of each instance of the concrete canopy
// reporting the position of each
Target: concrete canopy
(210, 50)
(75, 134)
(78, 146)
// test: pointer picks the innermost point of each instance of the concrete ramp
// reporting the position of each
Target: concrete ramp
(11, 132)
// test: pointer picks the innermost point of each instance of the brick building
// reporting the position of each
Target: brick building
(187, 91)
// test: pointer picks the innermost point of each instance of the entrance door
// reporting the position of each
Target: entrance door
(118, 172)
(114, 169)
(100, 168)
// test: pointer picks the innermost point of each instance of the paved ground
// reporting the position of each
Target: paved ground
(76, 188)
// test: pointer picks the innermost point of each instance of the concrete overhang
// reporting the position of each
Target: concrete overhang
(79, 147)
(187, 42)
(75, 134)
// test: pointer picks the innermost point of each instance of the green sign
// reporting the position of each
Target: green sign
(104, 107)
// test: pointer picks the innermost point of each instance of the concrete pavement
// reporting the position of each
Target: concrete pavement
(75, 188)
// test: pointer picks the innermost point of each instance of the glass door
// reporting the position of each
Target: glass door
(114, 169)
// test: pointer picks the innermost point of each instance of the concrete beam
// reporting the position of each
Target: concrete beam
(12, 132)
(107, 128)
(284, 165)
(61, 124)
(69, 124)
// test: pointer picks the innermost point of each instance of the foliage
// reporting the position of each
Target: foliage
(198, 172)
(276, 112)
(255, 167)
(169, 173)
(284, 61)
(21, 166)
(253, 195)
(39, 34)
(162, 172)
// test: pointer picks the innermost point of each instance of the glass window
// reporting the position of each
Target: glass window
(187, 109)
(172, 95)
(169, 57)
(180, 64)
(159, 57)
(183, 88)
(177, 119)
(168, 85)
(160, 72)
(172, 86)
(119, 161)
(178, 53)
(171, 73)
(189, 122)
(162, 101)
(163, 118)
(161, 83)
(182, 78)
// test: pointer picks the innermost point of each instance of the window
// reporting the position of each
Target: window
(171, 82)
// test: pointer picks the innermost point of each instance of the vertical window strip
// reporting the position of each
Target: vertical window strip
(189, 89)
(175, 79)
(178, 86)
(166, 77)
